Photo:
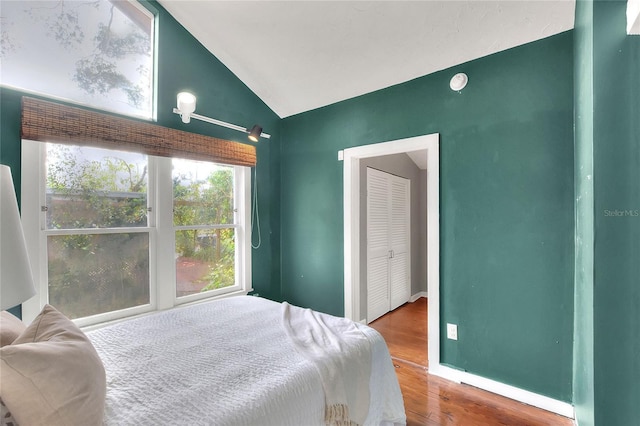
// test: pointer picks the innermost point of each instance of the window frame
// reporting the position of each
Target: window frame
(160, 228)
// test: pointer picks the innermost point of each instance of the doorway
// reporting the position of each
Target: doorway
(352, 184)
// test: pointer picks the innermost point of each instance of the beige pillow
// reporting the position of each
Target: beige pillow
(10, 328)
(52, 375)
(6, 419)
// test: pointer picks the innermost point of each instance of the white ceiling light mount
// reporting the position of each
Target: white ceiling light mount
(458, 81)
(186, 105)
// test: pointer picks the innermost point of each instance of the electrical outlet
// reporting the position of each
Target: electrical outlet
(452, 331)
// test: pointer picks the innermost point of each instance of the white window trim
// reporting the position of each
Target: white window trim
(162, 269)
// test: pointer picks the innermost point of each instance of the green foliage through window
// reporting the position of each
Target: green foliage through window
(203, 196)
(92, 188)
(95, 188)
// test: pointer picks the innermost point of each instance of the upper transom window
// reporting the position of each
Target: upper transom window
(96, 53)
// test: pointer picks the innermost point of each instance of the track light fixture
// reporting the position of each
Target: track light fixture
(254, 133)
(186, 105)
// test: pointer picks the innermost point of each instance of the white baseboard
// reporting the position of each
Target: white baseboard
(512, 392)
(418, 296)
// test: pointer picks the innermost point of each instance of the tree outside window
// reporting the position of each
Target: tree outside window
(98, 53)
(203, 212)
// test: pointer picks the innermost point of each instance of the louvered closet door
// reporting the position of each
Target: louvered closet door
(378, 226)
(399, 270)
(388, 242)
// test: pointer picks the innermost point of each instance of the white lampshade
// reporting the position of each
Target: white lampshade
(186, 103)
(16, 280)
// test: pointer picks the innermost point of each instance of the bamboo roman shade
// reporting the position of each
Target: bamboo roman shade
(46, 121)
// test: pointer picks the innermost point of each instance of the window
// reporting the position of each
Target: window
(203, 217)
(102, 51)
(98, 223)
(96, 229)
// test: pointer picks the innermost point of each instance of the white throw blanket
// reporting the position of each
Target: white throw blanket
(332, 344)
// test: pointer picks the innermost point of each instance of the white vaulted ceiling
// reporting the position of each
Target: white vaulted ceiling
(301, 55)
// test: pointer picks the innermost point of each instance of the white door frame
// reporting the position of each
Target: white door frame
(351, 157)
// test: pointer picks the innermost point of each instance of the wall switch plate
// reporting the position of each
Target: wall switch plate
(452, 331)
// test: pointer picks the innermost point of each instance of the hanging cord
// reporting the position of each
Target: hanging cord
(255, 213)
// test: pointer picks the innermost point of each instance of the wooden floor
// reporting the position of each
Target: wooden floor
(430, 400)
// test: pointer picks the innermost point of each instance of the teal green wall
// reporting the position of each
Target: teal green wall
(184, 64)
(616, 144)
(583, 379)
(507, 211)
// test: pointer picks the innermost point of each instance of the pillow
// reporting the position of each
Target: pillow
(52, 375)
(6, 419)
(10, 328)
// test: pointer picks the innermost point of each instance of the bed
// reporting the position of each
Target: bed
(245, 361)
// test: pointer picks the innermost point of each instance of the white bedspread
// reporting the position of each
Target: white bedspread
(226, 362)
(341, 353)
